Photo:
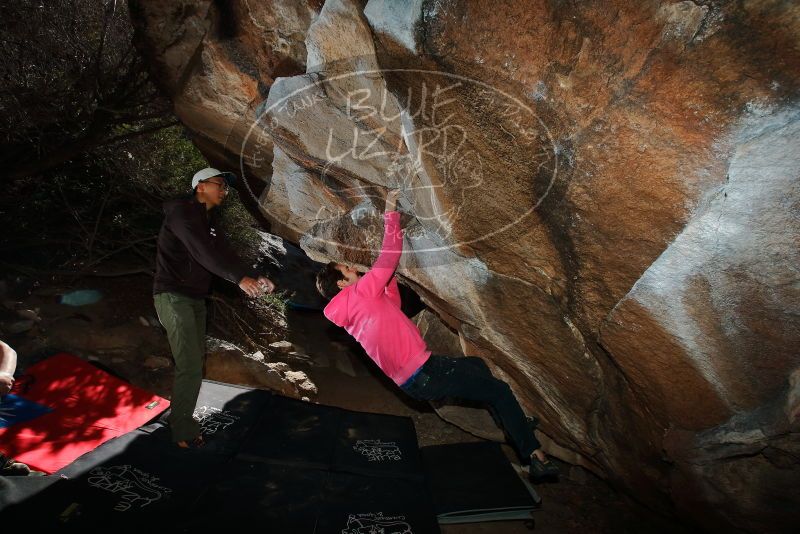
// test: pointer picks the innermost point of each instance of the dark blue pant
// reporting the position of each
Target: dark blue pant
(469, 379)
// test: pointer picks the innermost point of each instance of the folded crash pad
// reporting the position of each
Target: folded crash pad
(75, 407)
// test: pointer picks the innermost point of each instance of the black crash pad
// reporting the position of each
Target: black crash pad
(284, 498)
(129, 483)
(297, 433)
(226, 414)
(472, 482)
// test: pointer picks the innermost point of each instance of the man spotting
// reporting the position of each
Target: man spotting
(190, 249)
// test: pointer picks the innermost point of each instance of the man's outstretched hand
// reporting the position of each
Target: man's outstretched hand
(256, 287)
(391, 200)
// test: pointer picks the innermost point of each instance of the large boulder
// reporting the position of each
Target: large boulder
(600, 197)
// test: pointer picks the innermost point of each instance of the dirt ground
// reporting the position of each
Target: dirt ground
(119, 333)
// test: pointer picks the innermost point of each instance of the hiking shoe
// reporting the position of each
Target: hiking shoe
(540, 471)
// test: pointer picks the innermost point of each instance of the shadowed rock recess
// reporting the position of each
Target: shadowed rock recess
(600, 198)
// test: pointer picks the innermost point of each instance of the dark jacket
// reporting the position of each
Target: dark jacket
(190, 249)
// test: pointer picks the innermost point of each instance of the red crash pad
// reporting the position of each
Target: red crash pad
(89, 407)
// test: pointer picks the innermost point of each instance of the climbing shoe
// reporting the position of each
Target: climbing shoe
(540, 471)
(533, 422)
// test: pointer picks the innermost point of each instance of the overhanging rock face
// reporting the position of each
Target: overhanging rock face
(601, 198)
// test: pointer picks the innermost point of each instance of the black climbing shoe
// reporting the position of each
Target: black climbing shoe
(540, 471)
(533, 422)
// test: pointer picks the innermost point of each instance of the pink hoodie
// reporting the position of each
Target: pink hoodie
(370, 312)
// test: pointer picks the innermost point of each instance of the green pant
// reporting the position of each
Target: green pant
(184, 318)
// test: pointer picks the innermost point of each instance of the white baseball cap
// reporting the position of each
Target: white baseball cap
(210, 172)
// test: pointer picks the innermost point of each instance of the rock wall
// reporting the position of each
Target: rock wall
(601, 198)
